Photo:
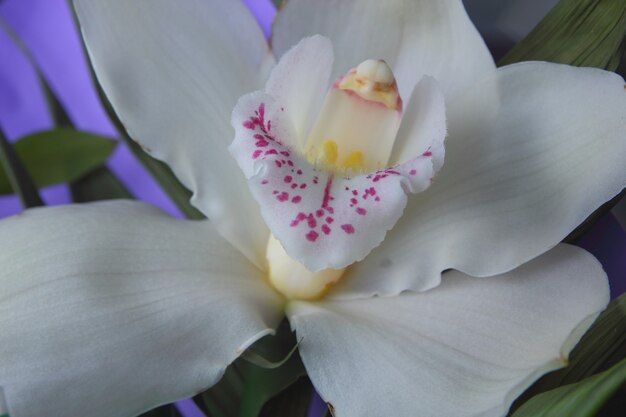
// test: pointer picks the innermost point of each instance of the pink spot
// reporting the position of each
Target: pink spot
(261, 143)
(290, 163)
(296, 199)
(355, 192)
(294, 186)
(348, 228)
(311, 221)
(353, 201)
(412, 172)
(377, 198)
(311, 236)
(427, 153)
(278, 164)
(256, 154)
(264, 182)
(248, 124)
(325, 229)
(282, 196)
(288, 179)
(285, 153)
(300, 217)
(377, 178)
(299, 172)
(347, 188)
(372, 191)
(302, 186)
(329, 220)
(361, 211)
(319, 213)
(271, 152)
(275, 192)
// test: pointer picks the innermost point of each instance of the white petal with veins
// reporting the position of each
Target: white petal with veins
(299, 83)
(467, 348)
(173, 72)
(523, 169)
(416, 38)
(111, 309)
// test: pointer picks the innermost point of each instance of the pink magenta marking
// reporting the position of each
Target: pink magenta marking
(299, 172)
(348, 228)
(355, 192)
(264, 182)
(311, 221)
(312, 236)
(412, 172)
(302, 186)
(288, 179)
(285, 153)
(256, 154)
(294, 186)
(353, 201)
(278, 164)
(329, 220)
(325, 229)
(377, 198)
(427, 153)
(271, 152)
(282, 196)
(290, 163)
(319, 213)
(329, 183)
(296, 199)
(248, 124)
(361, 211)
(300, 217)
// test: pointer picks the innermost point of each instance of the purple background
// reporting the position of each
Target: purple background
(47, 30)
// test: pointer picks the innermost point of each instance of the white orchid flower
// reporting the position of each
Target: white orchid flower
(110, 309)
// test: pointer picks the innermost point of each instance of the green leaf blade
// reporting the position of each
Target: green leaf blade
(582, 399)
(588, 33)
(59, 156)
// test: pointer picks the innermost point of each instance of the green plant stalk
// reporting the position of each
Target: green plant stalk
(20, 181)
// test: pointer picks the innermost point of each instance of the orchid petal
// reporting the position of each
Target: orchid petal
(299, 84)
(466, 348)
(111, 309)
(521, 172)
(322, 219)
(173, 72)
(423, 127)
(415, 37)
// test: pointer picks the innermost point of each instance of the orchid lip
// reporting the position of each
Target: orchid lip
(330, 199)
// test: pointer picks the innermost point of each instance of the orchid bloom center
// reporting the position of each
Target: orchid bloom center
(354, 134)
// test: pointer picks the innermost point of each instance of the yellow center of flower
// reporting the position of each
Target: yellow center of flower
(353, 134)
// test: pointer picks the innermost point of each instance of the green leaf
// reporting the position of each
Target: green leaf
(603, 346)
(263, 384)
(16, 175)
(587, 33)
(99, 184)
(245, 388)
(223, 399)
(583, 399)
(58, 156)
(293, 401)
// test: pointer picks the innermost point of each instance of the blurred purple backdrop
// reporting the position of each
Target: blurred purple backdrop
(47, 30)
